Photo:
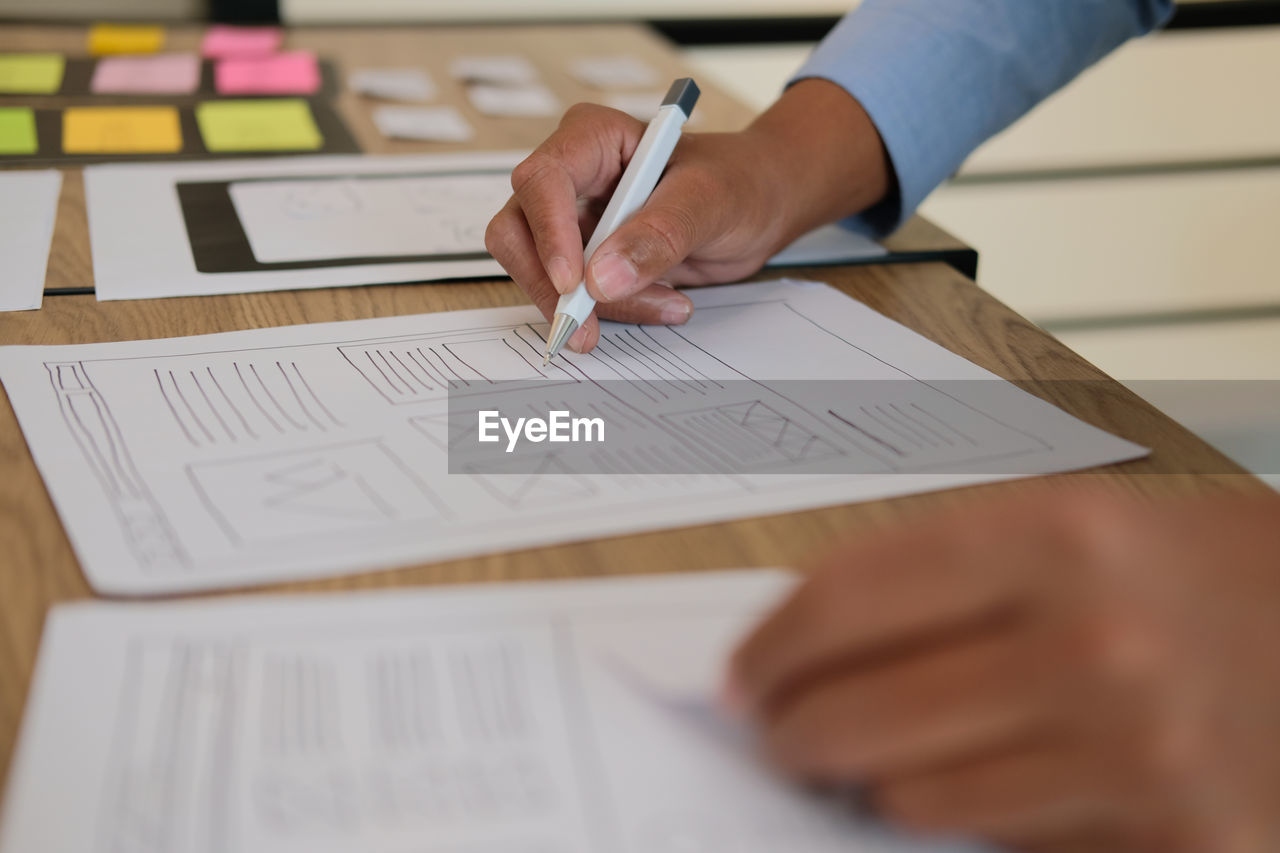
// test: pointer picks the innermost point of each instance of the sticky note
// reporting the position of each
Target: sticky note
(121, 130)
(105, 39)
(292, 73)
(31, 73)
(269, 125)
(167, 73)
(18, 131)
(432, 124)
(223, 41)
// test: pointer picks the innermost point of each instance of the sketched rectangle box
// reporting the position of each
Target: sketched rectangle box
(352, 487)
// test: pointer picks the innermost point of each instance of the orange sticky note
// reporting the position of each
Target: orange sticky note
(121, 130)
(107, 39)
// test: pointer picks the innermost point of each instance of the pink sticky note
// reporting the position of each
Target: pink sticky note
(165, 73)
(292, 73)
(223, 41)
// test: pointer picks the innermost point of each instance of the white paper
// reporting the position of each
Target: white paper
(530, 101)
(429, 124)
(369, 217)
(302, 451)
(393, 84)
(28, 210)
(500, 70)
(142, 250)
(561, 717)
(829, 244)
(614, 72)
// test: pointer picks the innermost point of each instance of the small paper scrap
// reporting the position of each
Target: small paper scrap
(498, 70)
(430, 124)
(393, 84)
(614, 72)
(26, 229)
(522, 101)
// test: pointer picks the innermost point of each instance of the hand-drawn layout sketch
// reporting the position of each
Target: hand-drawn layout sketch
(188, 229)
(397, 216)
(251, 457)
(561, 717)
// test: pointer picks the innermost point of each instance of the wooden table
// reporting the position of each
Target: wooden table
(38, 568)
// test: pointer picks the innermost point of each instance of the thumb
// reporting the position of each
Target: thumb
(644, 248)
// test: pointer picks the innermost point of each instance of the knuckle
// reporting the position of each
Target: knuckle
(668, 236)
(529, 171)
(497, 235)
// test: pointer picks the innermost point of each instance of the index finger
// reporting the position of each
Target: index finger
(584, 157)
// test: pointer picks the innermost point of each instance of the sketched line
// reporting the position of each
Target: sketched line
(428, 369)
(624, 345)
(896, 430)
(877, 439)
(253, 397)
(209, 403)
(601, 346)
(415, 369)
(446, 364)
(298, 397)
(173, 411)
(449, 350)
(677, 356)
(427, 386)
(243, 421)
(671, 366)
(314, 396)
(943, 423)
(383, 373)
(178, 390)
(520, 355)
(272, 397)
(382, 355)
(919, 425)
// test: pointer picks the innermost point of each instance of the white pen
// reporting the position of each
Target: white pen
(637, 182)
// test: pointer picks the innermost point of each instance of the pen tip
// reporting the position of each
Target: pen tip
(546, 359)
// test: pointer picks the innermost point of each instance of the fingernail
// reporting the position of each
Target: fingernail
(577, 340)
(560, 274)
(614, 275)
(676, 312)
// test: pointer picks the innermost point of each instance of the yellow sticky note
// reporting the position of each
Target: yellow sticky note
(277, 124)
(31, 73)
(121, 130)
(106, 39)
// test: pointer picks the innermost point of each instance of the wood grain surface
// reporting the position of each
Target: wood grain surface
(39, 569)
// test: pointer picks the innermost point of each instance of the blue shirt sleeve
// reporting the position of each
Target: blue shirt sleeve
(938, 78)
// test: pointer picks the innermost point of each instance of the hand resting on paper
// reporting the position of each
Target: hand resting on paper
(1063, 673)
(726, 203)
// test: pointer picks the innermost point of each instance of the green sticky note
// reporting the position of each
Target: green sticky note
(31, 73)
(278, 124)
(18, 131)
